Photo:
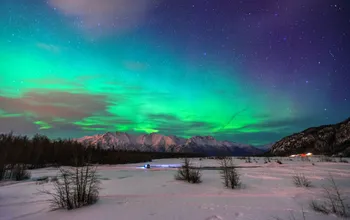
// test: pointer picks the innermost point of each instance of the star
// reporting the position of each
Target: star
(167, 57)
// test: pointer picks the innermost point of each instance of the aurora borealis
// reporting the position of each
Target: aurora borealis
(244, 71)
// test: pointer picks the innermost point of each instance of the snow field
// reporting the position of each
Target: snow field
(130, 192)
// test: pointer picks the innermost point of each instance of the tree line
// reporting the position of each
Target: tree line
(39, 151)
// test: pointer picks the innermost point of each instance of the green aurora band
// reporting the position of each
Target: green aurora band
(63, 82)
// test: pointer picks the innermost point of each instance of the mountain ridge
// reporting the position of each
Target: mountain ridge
(325, 139)
(162, 143)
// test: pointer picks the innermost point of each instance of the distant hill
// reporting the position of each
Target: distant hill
(160, 143)
(326, 139)
(265, 147)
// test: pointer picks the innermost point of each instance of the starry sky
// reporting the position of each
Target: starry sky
(250, 71)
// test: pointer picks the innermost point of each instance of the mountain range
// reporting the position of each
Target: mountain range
(162, 143)
(327, 139)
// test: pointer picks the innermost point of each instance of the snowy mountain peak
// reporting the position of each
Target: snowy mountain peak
(162, 143)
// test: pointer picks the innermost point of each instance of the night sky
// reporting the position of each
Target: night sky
(249, 71)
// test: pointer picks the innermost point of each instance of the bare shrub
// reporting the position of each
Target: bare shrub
(267, 160)
(333, 201)
(318, 207)
(300, 180)
(188, 173)
(75, 187)
(19, 172)
(195, 175)
(248, 160)
(229, 173)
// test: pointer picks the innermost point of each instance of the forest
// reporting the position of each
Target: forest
(40, 151)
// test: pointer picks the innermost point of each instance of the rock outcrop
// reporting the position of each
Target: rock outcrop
(326, 139)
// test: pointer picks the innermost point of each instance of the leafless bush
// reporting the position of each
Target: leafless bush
(229, 173)
(188, 173)
(248, 160)
(333, 201)
(75, 187)
(19, 172)
(318, 207)
(300, 180)
(267, 160)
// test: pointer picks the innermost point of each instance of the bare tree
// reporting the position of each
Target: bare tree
(20, 172)
(333, 200)
(300, 180)
(2, 165)
(188, 173)
(229, 173)
(75, 187)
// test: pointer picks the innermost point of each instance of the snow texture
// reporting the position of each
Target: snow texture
(130, 192)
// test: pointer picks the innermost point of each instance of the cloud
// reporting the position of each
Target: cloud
(19, 125)
(94, 15)
(54, 105)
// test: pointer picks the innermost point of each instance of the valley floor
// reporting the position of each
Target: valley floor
(130, 192)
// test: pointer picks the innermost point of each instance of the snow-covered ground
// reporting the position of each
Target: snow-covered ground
(130, 192)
